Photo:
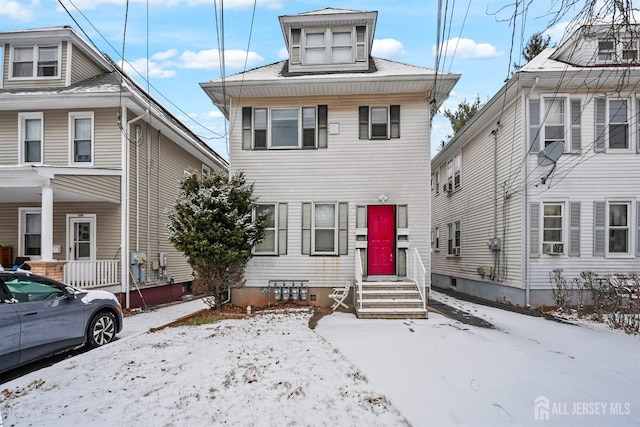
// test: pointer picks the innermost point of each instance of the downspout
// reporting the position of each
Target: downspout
(527, 214)
(148, 200)
(496, 252)
(126, 207)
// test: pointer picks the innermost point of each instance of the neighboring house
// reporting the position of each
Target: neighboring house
(510, 203)
(89, 163)
(337, 143)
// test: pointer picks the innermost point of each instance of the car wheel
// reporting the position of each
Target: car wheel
(102, 329)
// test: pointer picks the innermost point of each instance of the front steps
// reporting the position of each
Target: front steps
(394, 299)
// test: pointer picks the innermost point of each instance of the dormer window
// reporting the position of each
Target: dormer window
(35, 61)
(617, 50)
(321, 46)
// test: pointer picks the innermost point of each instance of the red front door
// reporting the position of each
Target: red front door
(382, 240)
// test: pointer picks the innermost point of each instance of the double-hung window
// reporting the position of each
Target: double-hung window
(553, 235)
(30, 135)
(436, 181)
(617, 50)
(81, 138)
(555, 118)
(284, 128)
(34, 61)
(30, 232)
(453, 174)
(380, 122)
(275, 235)
(435, 238)
(324, 228)
(318, 46)
(619, 231)
(268, 244)
(453, 238)
(612, 124)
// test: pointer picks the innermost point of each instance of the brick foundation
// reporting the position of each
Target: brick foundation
(51, 269)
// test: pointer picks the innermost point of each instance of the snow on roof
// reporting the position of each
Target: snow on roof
(382, 68)
(328, 11)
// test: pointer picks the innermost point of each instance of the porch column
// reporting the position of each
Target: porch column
(46, 231)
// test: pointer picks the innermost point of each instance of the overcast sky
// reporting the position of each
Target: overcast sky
(176, 43)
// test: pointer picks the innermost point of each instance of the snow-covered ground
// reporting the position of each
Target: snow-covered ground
(272, 370)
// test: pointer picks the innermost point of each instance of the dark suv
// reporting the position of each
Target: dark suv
(40, 317)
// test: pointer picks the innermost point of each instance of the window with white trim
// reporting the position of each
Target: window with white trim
(81, 138)
(617, 50)
(30, 135)
(30, 220)
(35, 61)
(618, 227)
(555, 118)
(269, 243)
(435, 238)
(325, 228)
(275, 238)
(317, 46)
(436, 179)
(206, 170)
(612, 124)
(324, 238)
(379, 122)
(553, 230)
(284, 128)
(453, 174)
(453, 238)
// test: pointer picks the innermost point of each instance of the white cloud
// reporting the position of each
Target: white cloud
(138, 67)
(557, 32)
(163, 56)
(283, 53)
(14, 10)
(387, 48)
(210, 59)
(466, 48)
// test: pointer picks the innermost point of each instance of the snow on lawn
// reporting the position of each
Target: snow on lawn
(441, 372)
(272, 370)
(267, 370)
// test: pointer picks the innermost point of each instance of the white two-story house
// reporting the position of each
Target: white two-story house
(89, 162)
(545, 176)
(337, 143)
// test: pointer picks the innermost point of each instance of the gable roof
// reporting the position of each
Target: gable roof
(112, 84)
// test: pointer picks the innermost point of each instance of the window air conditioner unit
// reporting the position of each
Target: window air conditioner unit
(553, 248)
(456, 251)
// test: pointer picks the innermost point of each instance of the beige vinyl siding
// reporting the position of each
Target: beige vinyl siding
(106, 188)
(82, 67)
(473, 205)
(9, 137)
(157, 193)
(350, 170)
(38, 83)
(107, 138)
(107, 226)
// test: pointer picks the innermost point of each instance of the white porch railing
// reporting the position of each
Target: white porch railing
(417, 273)
(359, 278)
(91, 274)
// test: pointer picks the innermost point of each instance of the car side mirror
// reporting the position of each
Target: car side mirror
(69, 293)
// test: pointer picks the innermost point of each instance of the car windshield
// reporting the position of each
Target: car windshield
(26, 289)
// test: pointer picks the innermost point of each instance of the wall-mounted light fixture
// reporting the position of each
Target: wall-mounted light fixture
(382, 198)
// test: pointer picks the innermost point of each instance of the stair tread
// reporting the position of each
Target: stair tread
(391, 310)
